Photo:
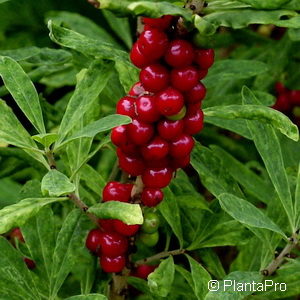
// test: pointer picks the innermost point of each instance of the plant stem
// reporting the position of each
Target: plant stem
(274, 265)
(50, 158)
(159, 256)
(195, 5)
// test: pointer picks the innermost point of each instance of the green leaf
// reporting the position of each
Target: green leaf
(87, 89)
(233, 69)
(246, 213)
(55, 183)
(297, 200)
(23, 91)
(127, 76)
(88, 297)
(200, 278)
(265, 4)
(226, 290)
(9, 191)
(160, 281)
(17, 214)
(129, 213)
(46, 139)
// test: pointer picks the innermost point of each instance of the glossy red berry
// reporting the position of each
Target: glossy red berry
(126, 106)
(113, 244)
(282, 103)
(181, 146)
(169, 130)
(130, 164)
(152, 197)
(106, 224)
(117, 191)
(17, 234)
(196, 94)
(112, 264)
(130, 149)
(143, 271)
(154, 77)
(193, 123)
(29, 263)
(159, 163)
(205, 58)
(140, 132)
(137, 58)
(193, 108)
(124, 229)
(180, 163)
(295, 97)
(153, 43)
(146, 109)
(169, 102)
(119, 136)
(184, 79)
(157, 177)
(136, 90)
(161, 23)
(93, 240)
(202, 73)
(180, 53)
(157, 149)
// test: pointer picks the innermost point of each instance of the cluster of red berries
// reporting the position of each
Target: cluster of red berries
(165, 108)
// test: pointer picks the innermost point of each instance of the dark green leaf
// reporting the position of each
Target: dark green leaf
(88, 297)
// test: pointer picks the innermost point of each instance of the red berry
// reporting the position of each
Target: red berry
(139, 132)
(124, 229)
(29, 262)
(154, 77)
(119, 136)
(181, 146)
(153, 43)
(193, 123)
(157, 177)
(156, 149)
(106, 224)
(17, 234)
(117, 191)
(146, 109)
(137, 58)
(126, 106)
(169, 102)
(205, 58)
(180, 53)
(159, 163)
(112, 264)
(295, 97)
(282, 103)
(169, 130)
(196, 94)
(193, 108)
(130, 164)
(136, 90)
(182, 162)
(151, 197)
(280, 88)
(184, 79)
(113, 244)
(161, 23)
(130, 149)
(143, 271)
(202, 73)
(93, 240)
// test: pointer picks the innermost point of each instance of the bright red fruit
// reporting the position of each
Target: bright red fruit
(124, 229)
(140, 132)
(130, 149)
(169, 130)
(205, 58)
(157, 177)
(180, 53)
(184, 79)
(159, 163)
(143, 271)
(112, 264)
(169, 101)
(136, 90)
(119, 136)
(193, 108)
(151, 197)
(196, 94)
(126, 106)
(113, 244)
(156, 149)
(137, 58)
(117, 191)
(154, 77)
(193, 123)
(133, 165)
(161, 23)
(153, 43)
(93, 240)
(181, 146)
(106, 224)
(17, 234)
(29, 263)
(202, 73)
(182, 162)
(146, 109)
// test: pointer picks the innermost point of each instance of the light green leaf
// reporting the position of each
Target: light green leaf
(23, 91)
(55, 183)
(46, 139)
(160, 281)
(265, 4)
(127, 76)
(246, 213)
(129, 213)
(88, 297)
(17, 214)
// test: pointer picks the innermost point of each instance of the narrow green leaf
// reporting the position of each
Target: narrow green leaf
(127, 76)
(88, 297)
(246, 213)
(17, 214)
(161, 280)
(297, 200)
(129, 213)
(55, 183)
(266, 4)
(23, 91)
(46, 139)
